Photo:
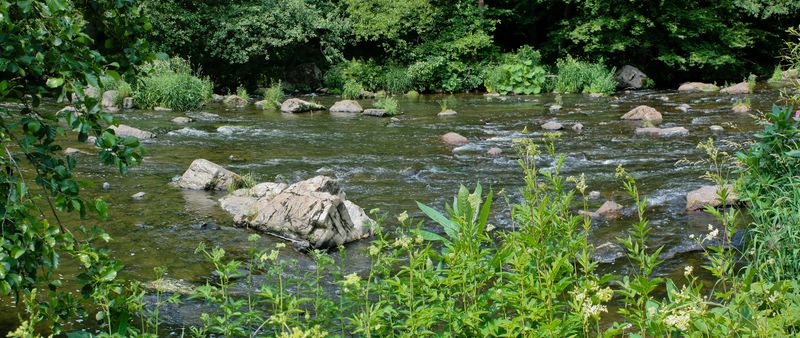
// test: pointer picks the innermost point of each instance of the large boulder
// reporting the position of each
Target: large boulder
(708, 196)
(313, 211)
(739, 88)
(124, 131)
(645, 113)
(295, 106)
(697, 87)
(110, 99)
(454, 139)
(346, 106)
(206, 175)
(662, 132)
(234, 101)
(631, 77)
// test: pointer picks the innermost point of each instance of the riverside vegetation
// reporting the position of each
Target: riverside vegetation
(464, 278)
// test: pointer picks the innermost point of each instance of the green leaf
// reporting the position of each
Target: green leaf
(793, 153)
(102, 208)
(55, 82)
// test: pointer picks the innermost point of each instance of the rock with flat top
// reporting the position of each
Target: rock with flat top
(206, 175)
(552, 125)
(662, 132)
(454, 139)
(447, 113)
(697, 87)
(313, 211)
(346, 106)
(125, 131)
(737, 89)
(295, 106)
(234, 101)
(644, 113)
(709, 196)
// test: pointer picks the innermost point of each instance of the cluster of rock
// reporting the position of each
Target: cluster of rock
(311, 213)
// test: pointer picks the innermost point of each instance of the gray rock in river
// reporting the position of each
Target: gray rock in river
(374, 112)
(346, 106)
(138, 196)
(128, 103)
(697, 87)
(684, 107)
(125, 131)
(609, 210)
(662, 132)
(578, 127)
(645, 113)
(708, 196)
(294, 106)
(454, 139)
(206, 175)
(109, 101)
(494, 151)
(216, 98)
(630, 77)
(234, 101)
(181, 120)
(555, 107)
(739, 88)
(716, 128)
(314, 211)
(447, 113)
(552, 125)
(608, 252)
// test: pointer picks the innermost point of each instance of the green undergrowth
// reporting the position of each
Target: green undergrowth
(172, 84)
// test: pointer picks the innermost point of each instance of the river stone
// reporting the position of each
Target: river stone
(454, 139)
(555, 107)
(741, 108)
(662, 132)
(313, 211)
(91, 91)
(125, 131)
(552, 125)
(127, 103)
(608, 252)
(697, 87)
(645, 113)
(163, 109)
(206, 175)
(609, 210)
(684, 107)
(73, 151)
(294, 106)
(216, 98)
(494, 151)
(181, 120)
(739, 88)
(594, 194)
(261, 104)
(448, 112)
(716, 128)
(578, 127)
(346, 106)
(138, 196)
(170, 285)
(630, 77)
(110, 98)
(374, 112)
(707, 196)
(234, 101)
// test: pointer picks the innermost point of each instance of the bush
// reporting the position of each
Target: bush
(368, 73)
(575, 76)
(274, 95)
(170, 83)
(352, 90)
(425, 75)
(777, 74)
(520, 73)
(242, 93)
(396, 80)
(388, 104)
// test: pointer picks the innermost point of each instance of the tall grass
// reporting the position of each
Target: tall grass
(352, 90)
(171, 83)
(576, 76)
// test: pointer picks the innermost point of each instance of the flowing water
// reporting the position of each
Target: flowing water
(390, 165)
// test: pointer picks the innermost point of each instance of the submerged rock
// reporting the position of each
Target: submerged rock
(494, 151)
(741, 108)
(697, 87)
(662, 132)
(739, 88)
(708, 196)
(181, 120)
(555, 107)
(454, 139)
(684, 107)
(446, 113)
(630, 77)
(346, 106)
(234, 101)
(578, 127)
(608, 252)
(125, 131)
(294, 106)
(645, 113)
(374, 112)
(313, 211)
(552, 125)
(716, 128)
(206, 175)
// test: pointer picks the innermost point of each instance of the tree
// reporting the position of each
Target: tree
(48, 54)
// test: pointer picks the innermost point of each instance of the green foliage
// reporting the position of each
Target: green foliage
(171, 83)
(242, 93)
(47, 53)
(388, 104)
(777, 74)
(274, 95)
(520, 73)
(123, 88)
(413, 94)
(396, 80)
(575, 76)
(352, 90)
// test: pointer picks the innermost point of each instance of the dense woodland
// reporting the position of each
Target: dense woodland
(450, 45)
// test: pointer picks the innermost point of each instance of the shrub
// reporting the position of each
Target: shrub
(274, 95)
(388, 104)
(777, 74)
(396, 80)
(334, 77)
(425, 75)
(412, 94)
(170, 83)
(575, 76)
(520, 73)
(352, 90)
(368, 73)
(242, 93)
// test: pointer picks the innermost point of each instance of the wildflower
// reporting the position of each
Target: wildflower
(774, 297)
(687, 271)
(593, 310)
(402, 217)
(373, 250)
(679, 321)
(352, 279)
(402, 242)
(580, 297)
(711, 235)
(273, 255)
(691, 236)
(280, 245)
(605, 294)
(419, 239)
(710, 227)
